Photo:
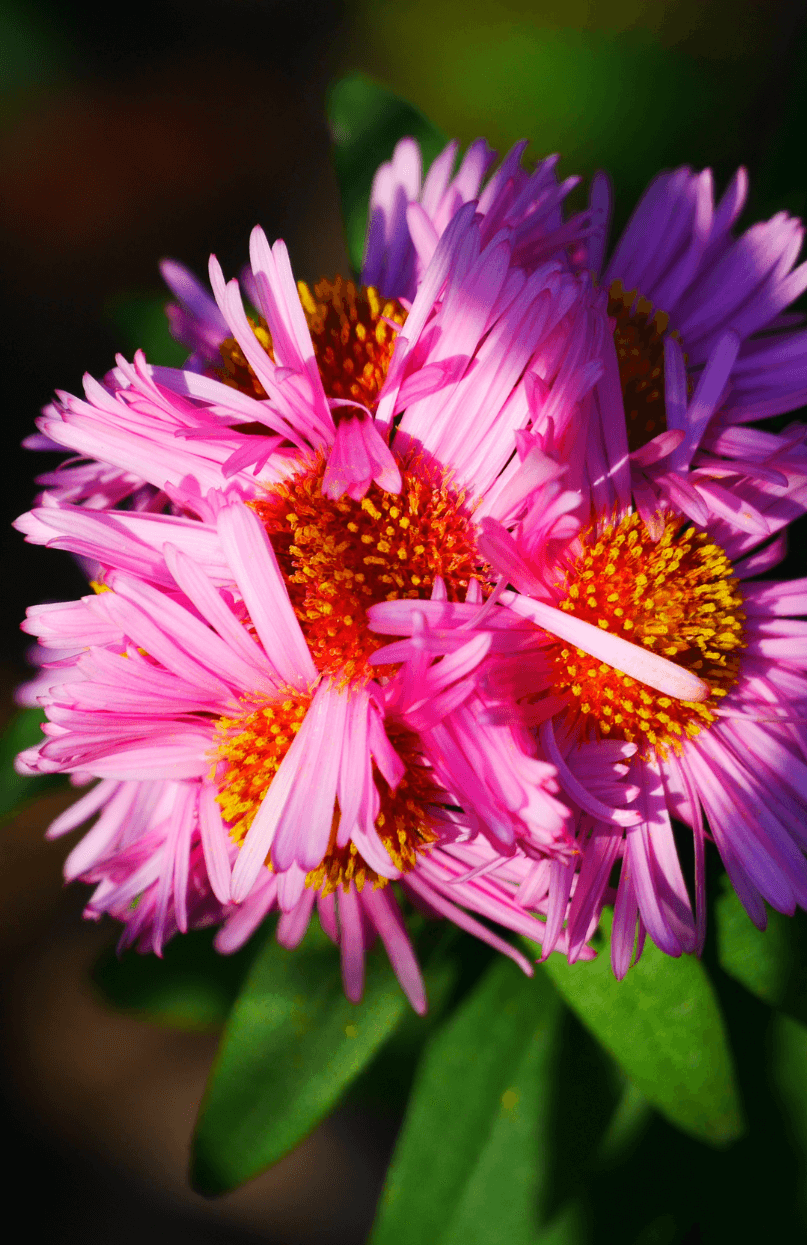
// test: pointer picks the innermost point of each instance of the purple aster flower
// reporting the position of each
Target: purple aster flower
(704, 346)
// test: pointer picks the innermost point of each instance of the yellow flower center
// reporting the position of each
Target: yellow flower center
(352, 338)
(340, 557)
(248, 754)
(249, 750)
(639, 340)
(677, 596)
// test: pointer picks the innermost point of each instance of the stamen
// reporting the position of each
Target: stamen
(248, 755)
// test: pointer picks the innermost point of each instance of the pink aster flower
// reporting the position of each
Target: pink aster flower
(321, 369)
(658, 649)
(190, 690)
(407, 217)
(337, 368)
(484, 351)
(703, 347)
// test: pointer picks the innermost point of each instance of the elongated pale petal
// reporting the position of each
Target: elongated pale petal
(261, 583)
(631, 659)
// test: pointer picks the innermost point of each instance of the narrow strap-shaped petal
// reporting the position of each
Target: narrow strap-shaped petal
(292, 924)
(351, 943)
(640, 663)
(214, 843)
(383, 911)
(261, 584)
(576, 790)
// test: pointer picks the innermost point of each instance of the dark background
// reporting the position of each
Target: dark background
(171, 128)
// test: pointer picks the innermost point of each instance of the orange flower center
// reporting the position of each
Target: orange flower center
(340, 557)
(352, 336)
(677, 596)
(248, 755)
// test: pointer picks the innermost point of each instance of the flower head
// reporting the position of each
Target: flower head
(660, 642)
(703, 346)
(237, 764)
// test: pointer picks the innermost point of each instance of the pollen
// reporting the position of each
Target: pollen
(249, 750)
(248, 753)
(404, 824)
(678, 597)
(353, 332)
(639, 339)
(339, 557)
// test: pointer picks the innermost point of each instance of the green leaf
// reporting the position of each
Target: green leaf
(366, 122)
(141, 321)
(385, 1084)
(787, 1065)
(23, 731)
(628, 1122)
(472, 1158)
(292, 1046)
(664, 1027)
(771, 963)
(190, 987)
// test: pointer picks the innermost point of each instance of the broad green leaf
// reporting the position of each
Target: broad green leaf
(385, 1084)
(771, 963)
(568, 1227)
(472, 1157)
(629, 1120)
(664, 1027)
(141, 321)
(366, 122)
(191, 987)
(292, 1046)
(23, 731)
(787, 1062)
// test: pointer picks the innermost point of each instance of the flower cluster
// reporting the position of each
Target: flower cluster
(448, 588)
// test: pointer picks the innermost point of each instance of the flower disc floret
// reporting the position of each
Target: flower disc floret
(249, 752)
(677, 596)
(339, 557)
(353, 334)
(639, 340)
(404, 824)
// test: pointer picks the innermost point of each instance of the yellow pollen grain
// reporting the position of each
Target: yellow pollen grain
(694, 617)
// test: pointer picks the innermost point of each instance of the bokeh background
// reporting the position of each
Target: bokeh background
(170, 128)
